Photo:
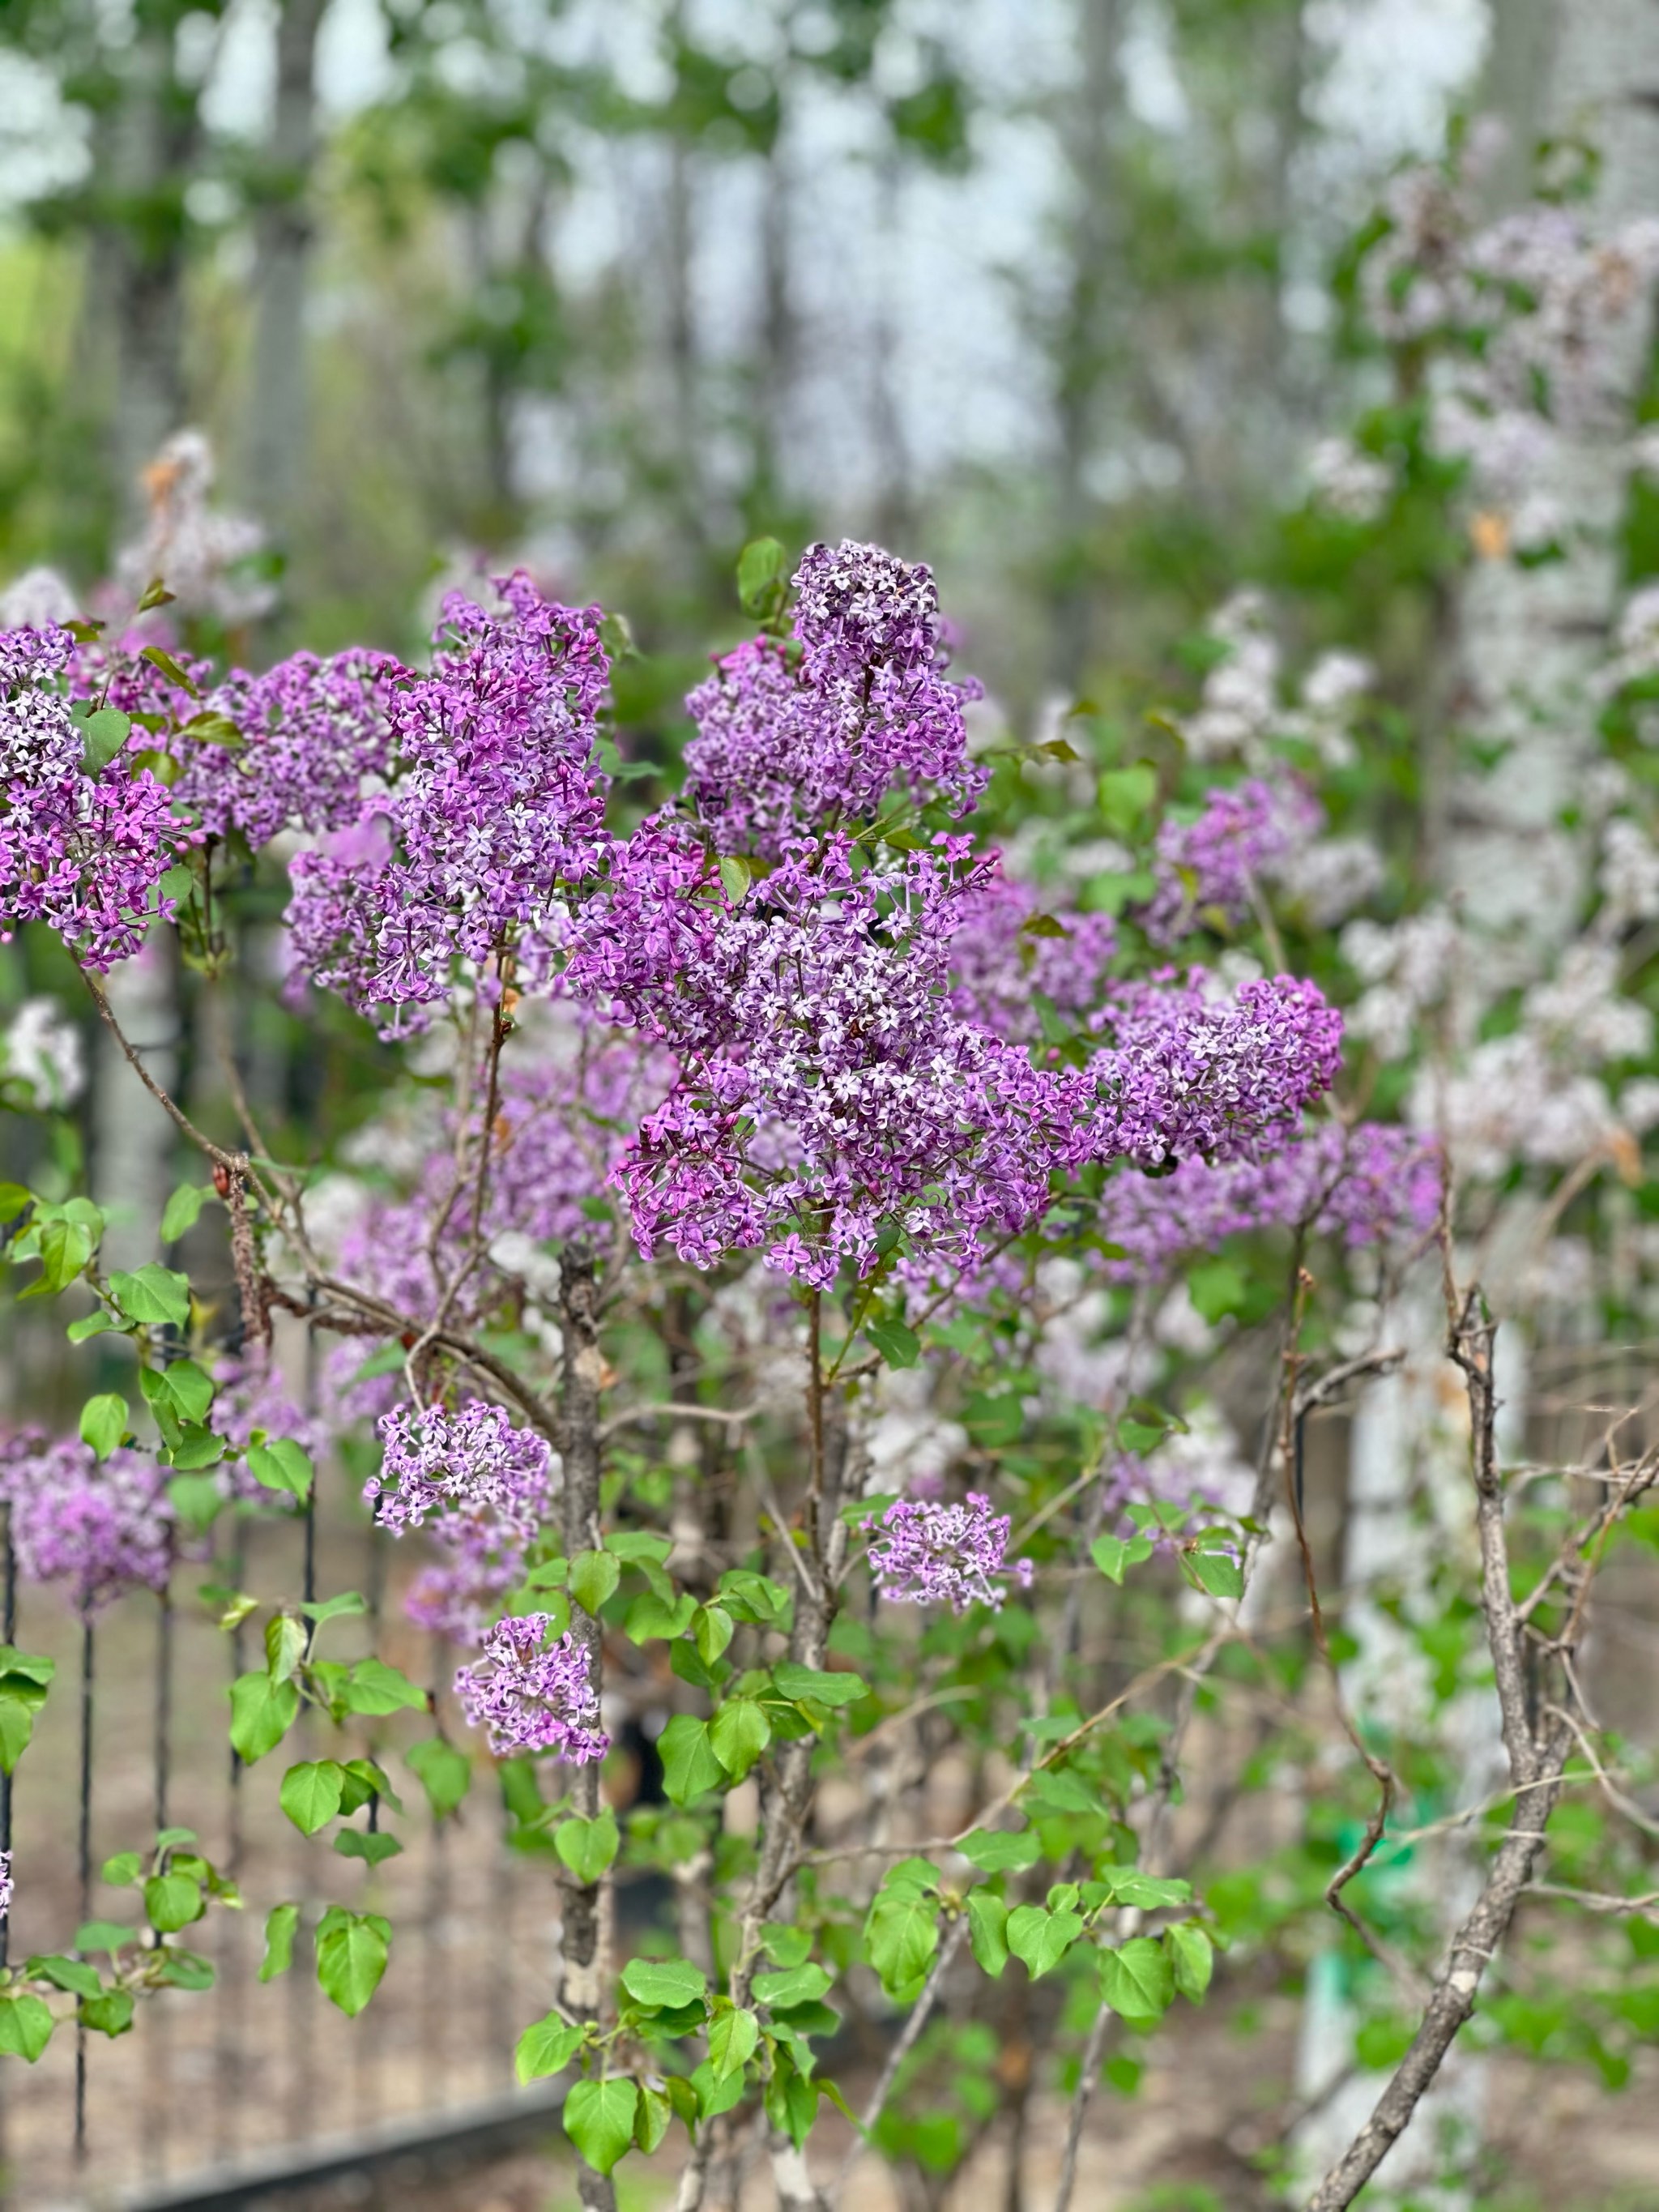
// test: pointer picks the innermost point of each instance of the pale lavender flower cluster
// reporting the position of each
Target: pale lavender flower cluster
(531, 1698)
(82, 851)
(923, 1551)
(1374, 1184)
(473, 1463)
(791, 737)
(312, 734)
(1006, 951)
(1208, 870)
(496, 803)
(99, 1529)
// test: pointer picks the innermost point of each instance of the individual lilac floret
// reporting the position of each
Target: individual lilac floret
(100, 1529)
(439, 1463)
(530, 1699)
(787, 739)
(924, 1552)
(1208, 870)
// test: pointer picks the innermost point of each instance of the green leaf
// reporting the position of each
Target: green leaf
(732, 2036)
(91, 1325)
(664, 1984)
(187, 1970)
(988, 1930)
(375, 1688)
(1001, 1850)
(281, 1465)
(104, 1422)
(155, 594)
(180, 1214)
(103, 1936)
(815, 1685)
(348, 1603)
(651, 1616)
(593, 1577)
(1136, 1981)
(71, 1974)
(794, 1985)
(152, 1294)
(196, 1499)
(197, 1448)
(311, 1793)
(547, 2047)
(1150, 1891)
(16, 1728)
(588, 1847)
(738, 1735)
(102, 736)
(785, 1944)
(1053, 1790)
(637, 1545)
(109, 2011)
(688, 1765)
(898, 1345)
(160, 658)
(902, 1935)
(13, 1199)
(261, 1713)
(1218, 1289)
(66, 1247)
(748, 1596)
(371, 1845)
(1216, 1573)
(25, 2025)
(651, 2121)
(598, 2118)
(285, 1645)
(123, 1871)
(281, 1922)
(173, 1901)
(1191, 1958)
(1113, 1555)
(351, 1956)
(760, 566)
(444, 1772)
(215, 729)
(735, 878)
(713, 1628)
(1124, 794)
(1040, 1938)
(191, 1388)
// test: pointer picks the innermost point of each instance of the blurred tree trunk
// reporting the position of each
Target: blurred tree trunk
(1088, 136)
(275, 434)
(153, 140)
(775, 351)
(896, 507)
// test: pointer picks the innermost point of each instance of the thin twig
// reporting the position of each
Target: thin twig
(921, 2012)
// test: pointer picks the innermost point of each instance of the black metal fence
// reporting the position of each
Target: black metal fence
(133, 1739)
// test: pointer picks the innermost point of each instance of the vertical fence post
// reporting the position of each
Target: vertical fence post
(158, 2105)
(87, 1658)
(8, 1635)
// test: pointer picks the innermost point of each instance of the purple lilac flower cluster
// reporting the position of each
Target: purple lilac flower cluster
(496, 803)
(1006, 952)
(789, 738)
(99, 1529)
(531, 1698)
(83, 852)
(312, 733)
(923, 1551)
(1374, 1183)
(1207, 869)
(1188, 1073)
(826, 1087)
(473, 1463)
